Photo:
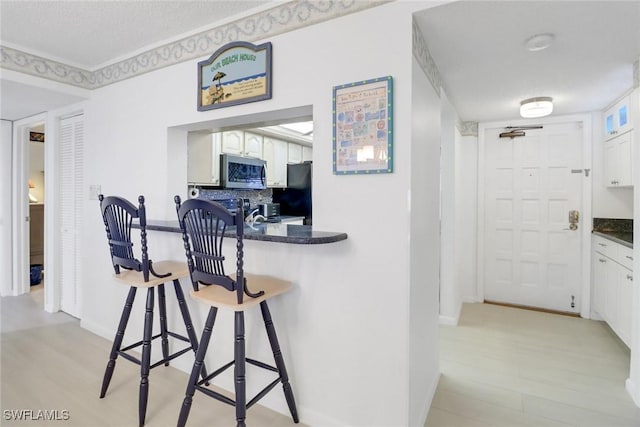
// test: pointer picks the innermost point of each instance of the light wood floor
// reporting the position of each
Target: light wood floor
(511, 367)
(49, 363)
(501, 367)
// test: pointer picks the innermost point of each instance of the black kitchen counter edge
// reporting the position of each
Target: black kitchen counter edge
(266, 232)
(625, 239)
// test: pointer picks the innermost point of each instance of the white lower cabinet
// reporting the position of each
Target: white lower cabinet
(613, 285)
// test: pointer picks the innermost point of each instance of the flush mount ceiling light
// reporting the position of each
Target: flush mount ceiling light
(536, 107)
(539, 42)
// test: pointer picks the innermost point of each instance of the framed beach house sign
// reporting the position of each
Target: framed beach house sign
(363, 127)
(237, 73)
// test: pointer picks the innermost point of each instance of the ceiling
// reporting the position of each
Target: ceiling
(90, 34)
(478, 46)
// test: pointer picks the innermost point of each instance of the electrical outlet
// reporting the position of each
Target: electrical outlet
(94, 191)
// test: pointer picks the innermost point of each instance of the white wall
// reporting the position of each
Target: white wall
(425, 246)
(6, 130)
(346, 331)
(450, 292)
(633, 382)
(466, 216)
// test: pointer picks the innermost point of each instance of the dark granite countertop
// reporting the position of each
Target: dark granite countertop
(619, 230)
(269, 232)
(623, 238)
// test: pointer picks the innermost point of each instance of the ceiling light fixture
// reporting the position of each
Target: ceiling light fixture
(539, 42)
(536, 107)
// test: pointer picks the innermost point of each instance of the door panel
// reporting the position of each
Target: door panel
(532, 258)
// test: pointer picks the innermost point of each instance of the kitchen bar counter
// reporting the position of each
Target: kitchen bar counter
(269, 232)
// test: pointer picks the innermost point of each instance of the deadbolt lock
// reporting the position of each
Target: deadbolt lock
(574, 219)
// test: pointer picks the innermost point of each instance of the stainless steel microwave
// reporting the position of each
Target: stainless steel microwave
(243, 172)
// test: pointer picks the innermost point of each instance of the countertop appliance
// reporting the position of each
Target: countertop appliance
(243, 172)
(269, 210)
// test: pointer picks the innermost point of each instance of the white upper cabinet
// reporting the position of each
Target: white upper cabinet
(233, 142)
(307, 153)
(294, 153)
(242, 143)
(617, 119)
(275, 154)
(618, 153)
(203, 158)
(252, 145)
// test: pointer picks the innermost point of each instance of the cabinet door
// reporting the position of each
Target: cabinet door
(307, 153)
(233, 142)
(294, 153)
(252, 145)
(275, 154)
(611, 163)
(599, 267)
(625, 159)
(622, 115)
(609, 125)
(617, 119)
(203, 158)
(618, 153)
(624, 307)
(610, 292)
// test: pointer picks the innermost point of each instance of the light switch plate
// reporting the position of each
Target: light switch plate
(94, 191)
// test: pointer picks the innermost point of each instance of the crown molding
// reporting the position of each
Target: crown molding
(467, 128)
(424, 58)
(283, 18)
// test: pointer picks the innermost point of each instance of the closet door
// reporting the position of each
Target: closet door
(71, 184)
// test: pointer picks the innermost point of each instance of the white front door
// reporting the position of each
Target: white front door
(531, 255)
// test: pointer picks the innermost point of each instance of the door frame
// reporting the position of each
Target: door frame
(20, 205)
(20, 282)
(587, 163)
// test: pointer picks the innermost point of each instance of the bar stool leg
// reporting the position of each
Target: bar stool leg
(162, 304)
(277, 355)
(197, 367)
(188, 324)
(239, 370)
(117, 342)
(146, 357)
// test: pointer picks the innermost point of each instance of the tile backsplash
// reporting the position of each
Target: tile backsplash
(255, 196)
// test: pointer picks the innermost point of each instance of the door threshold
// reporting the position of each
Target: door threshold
(531, 308)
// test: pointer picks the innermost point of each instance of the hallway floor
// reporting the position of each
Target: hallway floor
(500, 367)
(512, 367)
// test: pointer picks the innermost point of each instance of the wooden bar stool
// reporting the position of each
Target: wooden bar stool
(203, 225)
(118, 215)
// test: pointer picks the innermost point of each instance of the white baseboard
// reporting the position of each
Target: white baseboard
(633, 391)
(448, 320)
(428, 401)
(97, 329)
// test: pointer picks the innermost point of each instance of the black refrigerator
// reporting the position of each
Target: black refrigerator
(295, 200)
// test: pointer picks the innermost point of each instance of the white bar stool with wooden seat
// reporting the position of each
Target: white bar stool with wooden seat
(118, 215)
(203, 225)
